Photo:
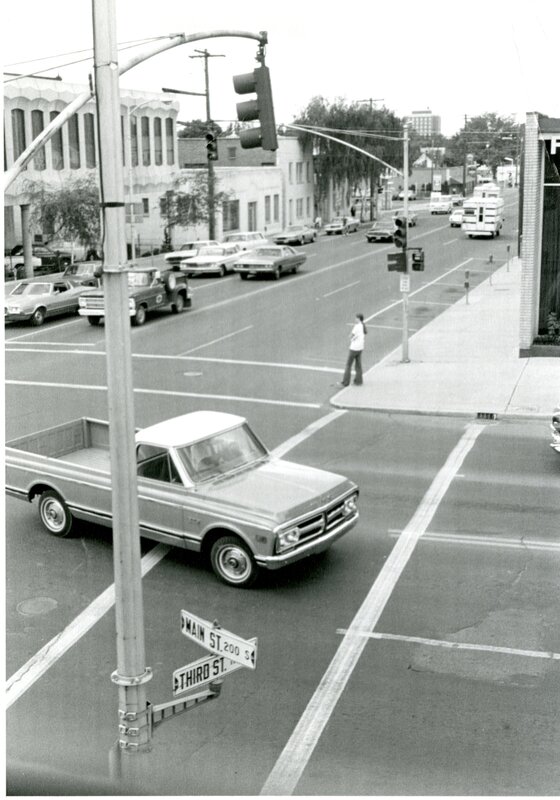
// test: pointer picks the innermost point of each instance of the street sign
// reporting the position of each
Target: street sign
(405, 283)
(218, 640)
(396, 262)
(205, 670)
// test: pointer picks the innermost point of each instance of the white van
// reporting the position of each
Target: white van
(441, 203)
(483, 216)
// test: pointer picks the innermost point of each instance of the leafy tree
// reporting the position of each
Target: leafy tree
(488, 138)
(351, 122)
(68, 212)
(196, 129)
(186, 203)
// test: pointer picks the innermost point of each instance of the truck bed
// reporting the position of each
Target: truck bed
(92, 457)
(81, 441)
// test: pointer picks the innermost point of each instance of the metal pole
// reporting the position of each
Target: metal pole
(404, 292)
(211, 215)
(130, 194)
(131, 673)
(27, 241)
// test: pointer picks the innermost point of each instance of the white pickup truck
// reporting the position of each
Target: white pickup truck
(205, 483)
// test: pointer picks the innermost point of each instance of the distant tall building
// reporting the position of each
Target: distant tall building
(424, 122)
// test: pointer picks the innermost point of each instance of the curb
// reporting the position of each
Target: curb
(496, 415)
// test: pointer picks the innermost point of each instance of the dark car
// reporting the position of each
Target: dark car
(381, 232)
(271, 260)
(84, 272)
(44, 260)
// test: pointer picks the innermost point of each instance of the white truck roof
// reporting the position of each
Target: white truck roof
(188, 428)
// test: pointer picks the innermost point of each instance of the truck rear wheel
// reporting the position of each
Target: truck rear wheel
(54, 514)
(94, 320)
(178, 305)
(140, 317)
(233, 562)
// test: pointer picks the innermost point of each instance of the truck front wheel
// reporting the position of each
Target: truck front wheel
(233, 562)
(140, 317)
(54, 514)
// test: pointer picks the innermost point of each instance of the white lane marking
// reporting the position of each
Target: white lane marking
(451, 241)
(51, 328)
(486, 648)
(486, 541)
(38, 664)
(168, 393)
(52, 344)
(292, 761)
(432, 303)
(215, 341)
(342, 288)
(392, 327)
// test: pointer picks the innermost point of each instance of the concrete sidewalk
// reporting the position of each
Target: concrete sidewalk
(464, 362)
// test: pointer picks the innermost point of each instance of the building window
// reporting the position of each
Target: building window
(299, 172)
(230, 215)
(57, 152)
(266, 209)
(232, 153)
(145, 132)
(158, 142)
(134, 141)
(307, 207)
(290, 212)
(290, 176)
(299, 208)
(89, 130)
(146, 206)
(276, 208)
(37, 125)
(308, 171)
(18, 131)
(74, 142)
(169, 141)
(252, 216)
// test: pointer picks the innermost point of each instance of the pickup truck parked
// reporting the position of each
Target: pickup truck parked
(205, 483)
(148, 288)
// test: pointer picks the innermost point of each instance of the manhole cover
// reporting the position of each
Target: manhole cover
(36, 605)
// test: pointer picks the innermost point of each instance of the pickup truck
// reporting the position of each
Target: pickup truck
(148, 288)
(205, 483)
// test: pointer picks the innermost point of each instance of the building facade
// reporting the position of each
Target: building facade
(540, 225)
(424, 122)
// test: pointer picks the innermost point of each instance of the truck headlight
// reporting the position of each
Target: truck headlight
(14, 310)
(287, 539)
(82, 302)
(131, 305)
(350, 506)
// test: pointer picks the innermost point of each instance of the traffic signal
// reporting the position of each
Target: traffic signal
(260, 108)
(400, 234)
(418, 260)
(396, 262)
(211, 146)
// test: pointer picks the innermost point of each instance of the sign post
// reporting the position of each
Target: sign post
(405, 287)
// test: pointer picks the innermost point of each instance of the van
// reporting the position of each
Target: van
(441, 204)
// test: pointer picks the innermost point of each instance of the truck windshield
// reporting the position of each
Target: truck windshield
(222, 453)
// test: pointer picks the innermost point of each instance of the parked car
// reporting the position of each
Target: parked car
(248, 240)
(296, 234)
(187, 250)
(44, 260)
(555, 429)
(84, 272)
(456, 217)
(36, 299)
(215, 258)
(148, 289)
(341, 225)
(381, 232)
(457, 199)
(77, 252)
(271, 260)
(411, 216)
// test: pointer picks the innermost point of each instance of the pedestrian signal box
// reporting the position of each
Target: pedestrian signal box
(396, 262)
(418, 260)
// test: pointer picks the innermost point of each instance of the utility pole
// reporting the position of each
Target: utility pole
(131, 674)
(211, 178)
(405, 277)
(372, 197)
(465, 160)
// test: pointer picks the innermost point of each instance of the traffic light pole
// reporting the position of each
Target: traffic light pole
(405, 277)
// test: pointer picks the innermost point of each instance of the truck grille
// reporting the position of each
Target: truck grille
(323, 522)
(93, 302)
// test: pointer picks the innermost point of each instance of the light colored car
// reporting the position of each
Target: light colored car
(456, 217)
(35, 300)
(555, 429)
(217, 258)
(441, 205)
(271, 260)
(296, 234)
(411, 194)
(187, 250)
(411, 216)
(247, 240)
(381, 232)
(340, 225)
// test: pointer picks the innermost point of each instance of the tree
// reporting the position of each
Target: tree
(333, 162)
(488, 138)
(188, 206)
(67, 212)
(197, 129)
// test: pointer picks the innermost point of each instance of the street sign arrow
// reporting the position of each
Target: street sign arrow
(218, 640)
(205, 670)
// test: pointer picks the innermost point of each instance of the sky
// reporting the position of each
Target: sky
(455, 58)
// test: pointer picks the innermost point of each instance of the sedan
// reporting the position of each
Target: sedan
(456, 217)
(272, 260)
(218, 259)
(411, 216)
(35, 300)
(296, 234)
(342, 225)
(84, 272)
(381, 232)
(187, 250)
(249, 240)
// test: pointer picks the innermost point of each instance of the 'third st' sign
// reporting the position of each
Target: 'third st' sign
(218, 640)
(205, 670)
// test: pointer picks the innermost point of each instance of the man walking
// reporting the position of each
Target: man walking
(357, 342)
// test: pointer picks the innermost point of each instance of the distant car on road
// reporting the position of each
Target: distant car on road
(78, 252)
(247, 241)
(217, 258)
(441, 205)
(83, 272)
(411, 195)
(35, 300)
(341, 225)
(555, 429)
(187, 250)
(271, 260)
(296, 234)
(457, 199)
(456, 217)
(411, 216)
(44, 260)
(381, 232)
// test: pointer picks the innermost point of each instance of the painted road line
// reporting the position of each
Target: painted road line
(38, 664)
(486, 648)
(391, 327)
(51, 344)
(215, 341)
(48, 655)
(431, 303)
(51, 328)
(486, 541)
(342, 288)
(292, 761)
(167, 393)
(451, 241)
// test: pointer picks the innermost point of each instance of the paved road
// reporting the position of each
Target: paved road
(456, 694)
